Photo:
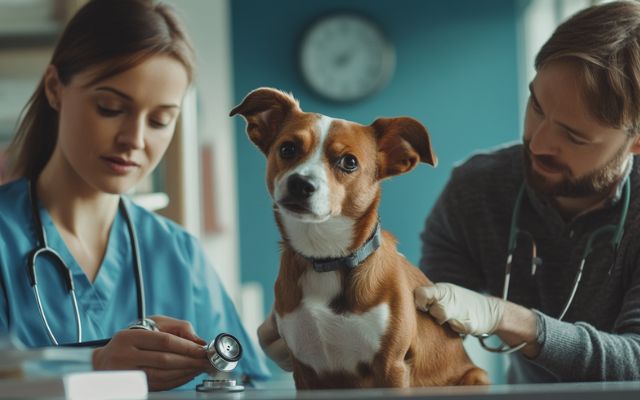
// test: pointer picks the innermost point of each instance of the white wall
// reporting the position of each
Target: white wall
(208, 23)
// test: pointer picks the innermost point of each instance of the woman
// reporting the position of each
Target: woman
(99, 121)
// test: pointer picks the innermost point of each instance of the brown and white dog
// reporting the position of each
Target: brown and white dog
(344, 295)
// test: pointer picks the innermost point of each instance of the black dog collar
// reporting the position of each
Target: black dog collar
(351, 261)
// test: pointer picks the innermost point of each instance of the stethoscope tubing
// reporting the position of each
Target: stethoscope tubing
(513, 236)
(136, 257)
(42, 249)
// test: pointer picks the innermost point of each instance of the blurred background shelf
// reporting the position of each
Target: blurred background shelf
(151, 201)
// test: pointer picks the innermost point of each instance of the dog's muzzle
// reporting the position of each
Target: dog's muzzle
(300, 189)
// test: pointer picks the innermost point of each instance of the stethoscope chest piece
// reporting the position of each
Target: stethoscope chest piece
(223, 353)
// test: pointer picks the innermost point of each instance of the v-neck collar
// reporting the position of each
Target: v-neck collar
(114, 259)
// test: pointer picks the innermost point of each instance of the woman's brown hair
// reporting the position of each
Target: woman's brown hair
(115, 35)
(604, 41)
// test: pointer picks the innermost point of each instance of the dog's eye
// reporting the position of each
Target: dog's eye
(288, 150)
(348, 163)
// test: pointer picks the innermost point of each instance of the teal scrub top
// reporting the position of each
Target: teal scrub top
(178, 281)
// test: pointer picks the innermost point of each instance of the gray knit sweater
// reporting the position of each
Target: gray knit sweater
(465, 242)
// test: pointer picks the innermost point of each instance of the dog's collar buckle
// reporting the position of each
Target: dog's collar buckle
(351, 261)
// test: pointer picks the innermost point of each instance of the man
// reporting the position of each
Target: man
(581, 133)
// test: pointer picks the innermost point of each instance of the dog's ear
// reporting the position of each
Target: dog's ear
(402, 143)
(265, 109)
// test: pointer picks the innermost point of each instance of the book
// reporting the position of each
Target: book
(98, 385)
(62, 372)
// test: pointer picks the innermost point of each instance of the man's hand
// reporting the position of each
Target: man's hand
(274, 345)
(170, 358)
(466, 311)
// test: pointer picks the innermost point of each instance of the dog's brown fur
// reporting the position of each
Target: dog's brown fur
(414, 350)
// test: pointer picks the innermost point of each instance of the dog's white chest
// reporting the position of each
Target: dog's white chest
(327, 341)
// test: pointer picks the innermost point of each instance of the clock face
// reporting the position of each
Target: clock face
(346, 57)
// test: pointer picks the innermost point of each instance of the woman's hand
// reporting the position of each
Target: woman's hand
(170, 358)
(177, 327)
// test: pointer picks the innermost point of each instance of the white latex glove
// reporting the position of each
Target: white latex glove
(274, 345)
(466, 311)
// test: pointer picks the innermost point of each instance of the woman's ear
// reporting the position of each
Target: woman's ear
(52, 87)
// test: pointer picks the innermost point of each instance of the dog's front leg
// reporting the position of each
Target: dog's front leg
(393, 373)
(299, 377)
(306, 378)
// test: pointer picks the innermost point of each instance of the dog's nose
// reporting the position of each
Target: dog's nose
(300, 187)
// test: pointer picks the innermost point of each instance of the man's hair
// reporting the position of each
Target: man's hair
(604, 41)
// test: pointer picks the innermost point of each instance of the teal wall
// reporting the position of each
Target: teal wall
(456, 72)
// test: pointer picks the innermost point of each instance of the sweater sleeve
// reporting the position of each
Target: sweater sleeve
(570, 351)
(580, 352)
(445, 248)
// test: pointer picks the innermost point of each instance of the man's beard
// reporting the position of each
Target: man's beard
(595, 182)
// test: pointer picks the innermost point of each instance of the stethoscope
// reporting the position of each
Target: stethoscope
(515, 232)
(42, 249)
(223, 352)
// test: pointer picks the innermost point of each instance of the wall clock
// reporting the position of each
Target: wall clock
(346, 57)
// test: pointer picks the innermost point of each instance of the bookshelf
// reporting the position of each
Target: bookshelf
(28, 31)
